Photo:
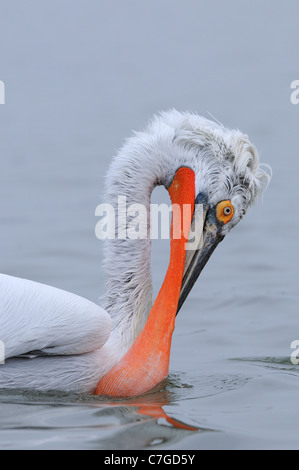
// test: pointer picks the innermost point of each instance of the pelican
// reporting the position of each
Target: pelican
(56, 340)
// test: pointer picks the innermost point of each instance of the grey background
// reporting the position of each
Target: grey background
(79, 76)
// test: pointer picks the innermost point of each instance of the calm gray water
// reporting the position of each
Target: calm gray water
(79, 76)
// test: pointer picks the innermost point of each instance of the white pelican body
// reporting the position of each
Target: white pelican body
(67, 342)
(63, 332)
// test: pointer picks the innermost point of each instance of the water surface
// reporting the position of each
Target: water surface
(79, 76)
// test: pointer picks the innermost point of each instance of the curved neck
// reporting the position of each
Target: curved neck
(131, 179)
(147, 159)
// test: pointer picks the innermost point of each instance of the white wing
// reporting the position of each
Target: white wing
(37, 317)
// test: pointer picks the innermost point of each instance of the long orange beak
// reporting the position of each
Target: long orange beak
(147, 361)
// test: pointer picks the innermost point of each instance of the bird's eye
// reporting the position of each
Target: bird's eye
(224, 211)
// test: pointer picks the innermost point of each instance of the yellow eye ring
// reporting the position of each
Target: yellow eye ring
(224, 211)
